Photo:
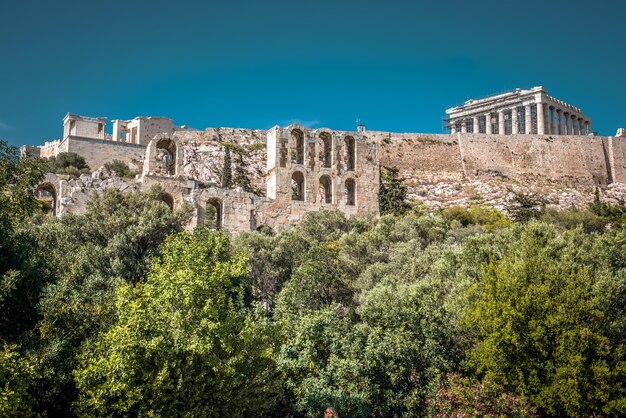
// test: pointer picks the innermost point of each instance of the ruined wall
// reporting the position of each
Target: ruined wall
(571, 159)
(97, 151)
(421, 158)
(617, 158)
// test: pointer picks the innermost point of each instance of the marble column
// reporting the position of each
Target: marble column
(514, 122)
(464, 126)
(452, 127)
(476, 129)
(527, 121)
(566, 120)
(589, 128)
(554, 127)
(488, 123)
(500, 122)
(581, 126)
(541, 120)
(576, 125)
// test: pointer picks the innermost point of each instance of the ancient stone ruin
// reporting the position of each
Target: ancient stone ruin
(519, 142)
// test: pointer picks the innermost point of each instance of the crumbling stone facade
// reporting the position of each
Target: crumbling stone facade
(294, 170)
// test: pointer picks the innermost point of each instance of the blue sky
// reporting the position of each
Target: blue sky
(397, 65)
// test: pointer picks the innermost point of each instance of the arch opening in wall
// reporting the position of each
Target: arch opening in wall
(298, 138)
(350, 152)
(350, 192)
(297, 186)
(327, 150)
(47, 195)
(165, 157)
(326, 189)
(214, 211)
(168, 200)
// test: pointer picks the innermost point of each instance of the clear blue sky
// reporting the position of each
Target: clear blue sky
(397, 65)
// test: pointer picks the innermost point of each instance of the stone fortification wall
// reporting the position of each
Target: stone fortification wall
(421, 158)
(97, 152)
(617, 158)
(570, 159)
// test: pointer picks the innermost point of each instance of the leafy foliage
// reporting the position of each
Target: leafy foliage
(68, 163)
(16, 375)
(539, 328)
(392, 192)
(227, 172)
(121, 169)
(184, 342)
(461, 397)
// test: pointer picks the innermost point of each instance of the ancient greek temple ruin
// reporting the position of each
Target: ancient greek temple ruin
(530, 111)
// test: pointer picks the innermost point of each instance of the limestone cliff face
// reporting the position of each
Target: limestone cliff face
(204, 154)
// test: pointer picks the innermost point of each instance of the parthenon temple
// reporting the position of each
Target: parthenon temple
(530, 111)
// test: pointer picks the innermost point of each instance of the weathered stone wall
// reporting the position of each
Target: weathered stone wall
(440, 170)
(421, 158)
(572, 159)
(97, 152)
(617, 158)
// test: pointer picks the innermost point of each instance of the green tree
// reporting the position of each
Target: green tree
(20, 281)
(89, 256)
(18, 179)
(538, 327)
(68, 163)
(184, 342)
(16, 376)
(392, 192)
(242, 178)
(227, 170)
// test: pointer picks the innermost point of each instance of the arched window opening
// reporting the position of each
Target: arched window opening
(48, 197)
(350, 153)
(168, 200)
(327, 150)
(326, 189)
(214, 213)
(297, 186)
(298, 138)
(165, 157)
(350, 192)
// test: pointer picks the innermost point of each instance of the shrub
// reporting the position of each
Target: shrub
(68, 163)
(120, 168)
(462, 397)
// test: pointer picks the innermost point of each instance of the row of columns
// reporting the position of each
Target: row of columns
(560, 122)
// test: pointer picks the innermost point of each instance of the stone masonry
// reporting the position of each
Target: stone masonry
(294, 170)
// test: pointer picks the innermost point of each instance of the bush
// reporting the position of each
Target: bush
(68, 163)
(121, 169)
(488, 217)
(461, 397)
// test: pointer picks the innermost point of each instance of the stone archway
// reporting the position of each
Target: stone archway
(298, 138)
(168, 200)
(218, 212)
(47, 194)
(326, 189)
(350, 192)
(297, 186)
(165, 158)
